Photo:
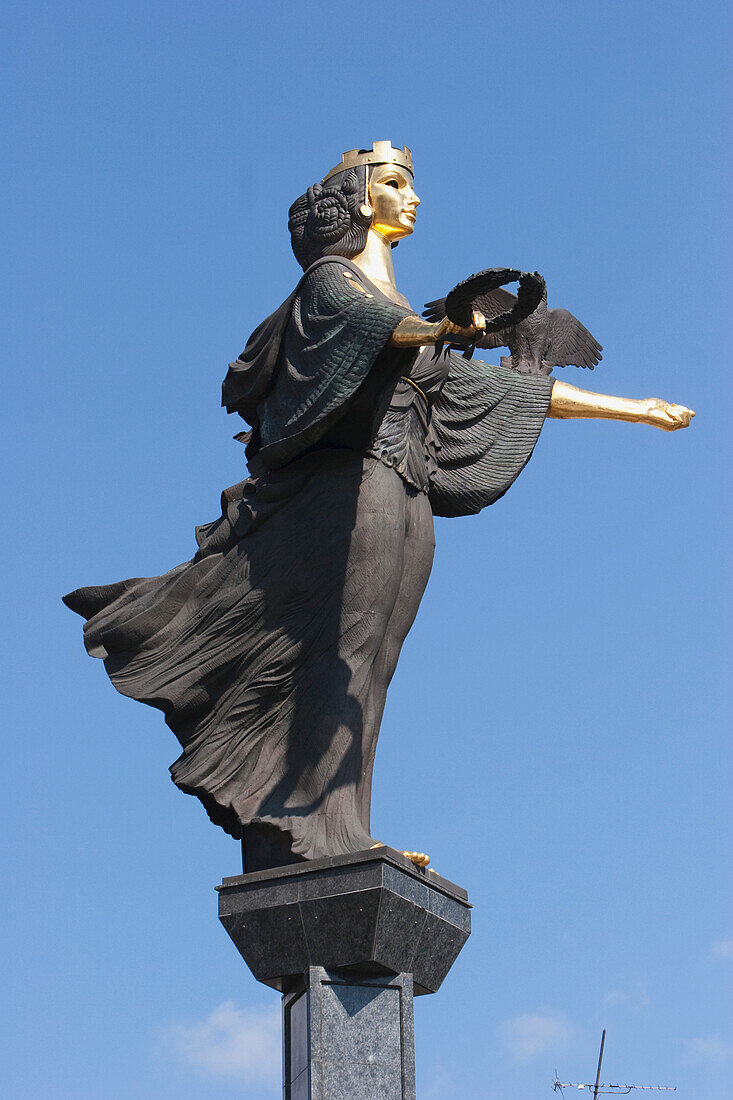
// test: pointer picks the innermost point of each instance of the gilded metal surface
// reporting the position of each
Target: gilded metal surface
(376, 263)
(413, 332)
(410, 382)
(393, 201)
(418, 858)
(348, 275)
(381, 152)
(394, 204)
(569, 402)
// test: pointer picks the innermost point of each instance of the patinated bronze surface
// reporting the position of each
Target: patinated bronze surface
(271, 650)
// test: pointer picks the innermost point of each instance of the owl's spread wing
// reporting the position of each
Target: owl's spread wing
(570, 343)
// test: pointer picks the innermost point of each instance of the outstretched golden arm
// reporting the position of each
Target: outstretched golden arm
(568, 402)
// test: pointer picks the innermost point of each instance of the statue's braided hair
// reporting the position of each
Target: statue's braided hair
(329, 220)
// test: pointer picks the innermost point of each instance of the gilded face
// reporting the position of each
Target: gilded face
(393, 200)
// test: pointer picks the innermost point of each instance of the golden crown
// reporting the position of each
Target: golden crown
(381, 152)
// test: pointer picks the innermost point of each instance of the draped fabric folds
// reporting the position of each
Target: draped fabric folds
(271, 651)
(485, 424)
(306, 362)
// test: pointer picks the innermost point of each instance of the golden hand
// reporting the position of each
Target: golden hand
(447, 328)
(662, 414)
(414, 332)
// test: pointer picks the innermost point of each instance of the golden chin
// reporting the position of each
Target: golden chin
(392, 232)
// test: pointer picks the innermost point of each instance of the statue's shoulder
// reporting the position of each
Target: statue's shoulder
(329, 283)
(329, 269)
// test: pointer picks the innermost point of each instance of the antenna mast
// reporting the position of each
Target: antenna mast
(602, 1090)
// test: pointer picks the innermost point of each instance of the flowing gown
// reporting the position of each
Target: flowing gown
(271, 651)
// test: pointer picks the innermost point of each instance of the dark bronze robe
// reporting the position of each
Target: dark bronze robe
(271, 651)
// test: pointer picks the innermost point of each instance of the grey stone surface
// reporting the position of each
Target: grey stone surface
(360, 1035)
(406, 885)
(267, 895)
(299, 1051)
(299, 1089)
(331, 881)
(438, 948)
(398, 933)
(273, 932)
(340, 928)
(389, 856)
(448, 909)
(349, 941)
(373, 912)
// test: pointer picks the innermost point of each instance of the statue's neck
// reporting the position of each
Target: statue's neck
(376, 262)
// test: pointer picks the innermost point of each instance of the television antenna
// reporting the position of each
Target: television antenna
(604, 1090)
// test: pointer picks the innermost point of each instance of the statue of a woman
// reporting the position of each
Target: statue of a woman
(271, 651)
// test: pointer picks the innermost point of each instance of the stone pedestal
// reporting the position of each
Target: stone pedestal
(349, 1035)
(348, 941)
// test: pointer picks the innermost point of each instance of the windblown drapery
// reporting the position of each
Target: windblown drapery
(271, 651)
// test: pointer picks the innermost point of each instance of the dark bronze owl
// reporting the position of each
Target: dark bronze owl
(543, 339)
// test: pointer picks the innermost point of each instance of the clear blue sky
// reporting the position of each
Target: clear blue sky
(558, 733)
